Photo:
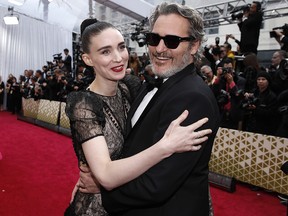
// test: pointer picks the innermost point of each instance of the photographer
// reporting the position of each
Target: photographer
(213, 54)
(249, 26)
(281, 36)
(279, 71)
(225, 88)
(261, 107)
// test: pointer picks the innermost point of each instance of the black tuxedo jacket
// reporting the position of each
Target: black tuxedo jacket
(177, 185)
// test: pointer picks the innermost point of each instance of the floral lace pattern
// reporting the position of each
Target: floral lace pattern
(93, 115)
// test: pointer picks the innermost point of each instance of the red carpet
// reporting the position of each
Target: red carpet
(39, 169)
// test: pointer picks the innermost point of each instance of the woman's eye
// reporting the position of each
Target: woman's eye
(105, 52)
(123, 46)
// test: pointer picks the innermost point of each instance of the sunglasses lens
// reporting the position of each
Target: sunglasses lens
(152, 39)
(171, 41)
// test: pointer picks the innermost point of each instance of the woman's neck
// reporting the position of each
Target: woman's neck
(105, 88)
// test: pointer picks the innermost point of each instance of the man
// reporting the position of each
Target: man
(67, 60)
(249, 26)
(179, 184)
(282, 37)
(277, 72)
(208, 74)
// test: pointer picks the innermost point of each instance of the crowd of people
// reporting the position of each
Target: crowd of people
(254, 98)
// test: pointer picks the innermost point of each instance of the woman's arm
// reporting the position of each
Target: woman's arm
(111, 174)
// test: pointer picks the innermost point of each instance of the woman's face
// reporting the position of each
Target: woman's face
(108, 55)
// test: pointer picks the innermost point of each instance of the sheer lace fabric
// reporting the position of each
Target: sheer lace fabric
(93, 115)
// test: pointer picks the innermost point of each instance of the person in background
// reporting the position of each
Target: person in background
(209, 77)
(279, 75)
(67, 60)
(2, 91)
(262, 105)
(226, 88)
(135, 63)
(98, 120)
(282, 37)
(249, 26)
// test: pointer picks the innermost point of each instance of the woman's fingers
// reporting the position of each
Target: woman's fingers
(198, 124)
(177, 122)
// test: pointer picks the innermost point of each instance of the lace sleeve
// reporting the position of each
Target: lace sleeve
(84, 110)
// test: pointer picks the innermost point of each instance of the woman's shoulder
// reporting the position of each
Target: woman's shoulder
(85, 101)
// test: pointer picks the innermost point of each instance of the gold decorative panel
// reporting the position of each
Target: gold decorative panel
(252, 158)
(48, 111)
(64, 120)
(30, 107)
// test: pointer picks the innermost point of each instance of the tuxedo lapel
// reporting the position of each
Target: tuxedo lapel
(134, 106)
(189, 70)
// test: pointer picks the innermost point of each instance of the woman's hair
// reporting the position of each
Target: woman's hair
(196, 28)
(91, 31)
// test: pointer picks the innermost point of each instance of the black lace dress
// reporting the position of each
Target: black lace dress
(93, 115)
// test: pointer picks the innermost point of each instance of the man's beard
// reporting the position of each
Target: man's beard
(186, 60)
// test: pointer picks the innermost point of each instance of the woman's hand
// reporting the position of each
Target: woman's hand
(184, 138)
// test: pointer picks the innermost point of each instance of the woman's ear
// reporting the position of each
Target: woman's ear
(87, 59)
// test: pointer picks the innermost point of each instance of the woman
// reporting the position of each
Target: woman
(261, 106)
(98, 117)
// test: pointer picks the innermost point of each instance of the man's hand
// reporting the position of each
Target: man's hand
(87, 182)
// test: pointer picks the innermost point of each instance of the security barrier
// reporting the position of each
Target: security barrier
(252, 158)
(248, 157)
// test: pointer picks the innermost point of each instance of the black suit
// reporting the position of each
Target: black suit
(179, 184)
(68, 63)
(250, 31)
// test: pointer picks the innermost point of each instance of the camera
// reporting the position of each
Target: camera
(235, 14)
(223, 97)
(251, 100)
(284, 29)
(57, 56)
(226, 70)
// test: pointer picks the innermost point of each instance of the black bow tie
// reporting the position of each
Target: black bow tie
(153, 83)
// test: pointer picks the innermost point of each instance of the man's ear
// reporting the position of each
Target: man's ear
(195, 47)
(86, 58)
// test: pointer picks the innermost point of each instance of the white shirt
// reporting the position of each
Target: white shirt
(143, 105)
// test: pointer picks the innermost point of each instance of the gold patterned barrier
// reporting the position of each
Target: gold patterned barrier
(64, 120)
(48, 111)
(252, 158)
(30, 107)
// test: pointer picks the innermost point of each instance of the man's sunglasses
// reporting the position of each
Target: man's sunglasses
(170, 41)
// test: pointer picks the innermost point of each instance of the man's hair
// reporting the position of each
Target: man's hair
(258, 5)
(282, 53)
(227, 61)
(196, 28)
(66, 50)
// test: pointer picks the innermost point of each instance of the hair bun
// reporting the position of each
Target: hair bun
(86, 23)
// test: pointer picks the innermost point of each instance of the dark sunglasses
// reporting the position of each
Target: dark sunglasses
(170, 41)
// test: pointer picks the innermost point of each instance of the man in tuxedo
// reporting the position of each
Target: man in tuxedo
(67, 60)
(249, 26)
(179, 184)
